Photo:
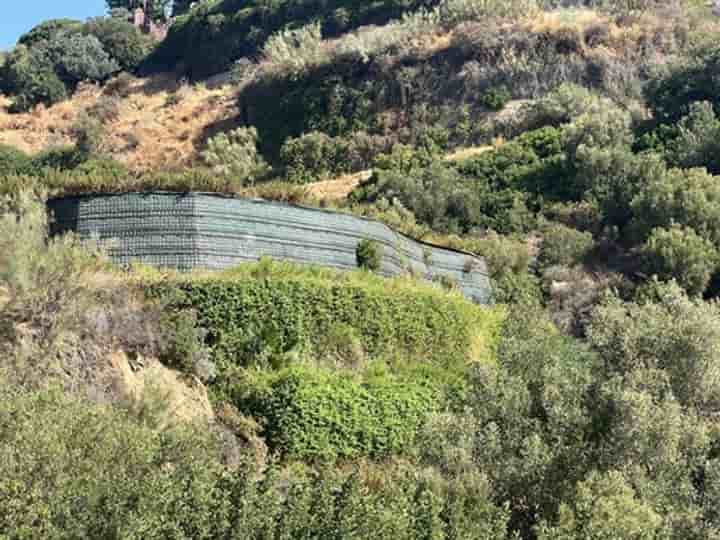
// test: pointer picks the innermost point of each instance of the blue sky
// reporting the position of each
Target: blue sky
(21, 15)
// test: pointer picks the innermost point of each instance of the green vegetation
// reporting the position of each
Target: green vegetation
(369, 255)
(575, 149)
(217, 32)
(316, 414)
(52, 59)
(261, 313)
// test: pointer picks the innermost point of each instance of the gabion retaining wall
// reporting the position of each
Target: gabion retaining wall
(201, 230)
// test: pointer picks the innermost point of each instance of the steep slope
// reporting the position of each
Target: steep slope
(150, 124)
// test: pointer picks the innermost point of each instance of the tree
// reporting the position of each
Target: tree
(680, 253)
(665, 332)
(698, 141)
(235, 154)
(29, 76)
(686, 197)
(605, 507)
(78, 58)
(49, 30)
(125, 43)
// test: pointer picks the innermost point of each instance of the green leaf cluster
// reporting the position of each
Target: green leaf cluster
(319, 414)
(263, 312)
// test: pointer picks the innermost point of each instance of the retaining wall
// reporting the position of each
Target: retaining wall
(201, 230)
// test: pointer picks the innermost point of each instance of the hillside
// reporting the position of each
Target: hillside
(571, 148)
(153, 123)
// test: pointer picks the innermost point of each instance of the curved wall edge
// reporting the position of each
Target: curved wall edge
(193, 230)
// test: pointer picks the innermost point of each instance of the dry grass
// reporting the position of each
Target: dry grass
(183, 399)
(158, 127)
(338, 188)
(466, 153)
(553, 21)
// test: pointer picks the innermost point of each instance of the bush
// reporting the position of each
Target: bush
(369, 255)
(681, 254)
(259, 313)
(295, 51)
(496, 98)
(60, 159)
(74, 469)
(207, 40)
(685, 197)
(697, 143)
(564, 246)
(612, 179)
(452, 198)
(88, 132)
(606, 506)
(314, 414)
(671, 93)
(34, 87)
(312, 157)
(561, 106)
(520, 289)
(48, 30)
(47, 71)
(452, 12)
(13, 161)
(235, 154)
(125, 43)
(664, 331)
(71, 468)
(76, 58)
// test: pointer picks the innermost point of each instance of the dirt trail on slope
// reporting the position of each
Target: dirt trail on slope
(339, 188)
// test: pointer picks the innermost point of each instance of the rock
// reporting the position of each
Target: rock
(174, 397)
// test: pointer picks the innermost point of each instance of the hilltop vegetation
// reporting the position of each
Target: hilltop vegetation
(573, 144)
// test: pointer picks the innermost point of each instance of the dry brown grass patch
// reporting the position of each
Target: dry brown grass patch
(148, 134)
(338, 188)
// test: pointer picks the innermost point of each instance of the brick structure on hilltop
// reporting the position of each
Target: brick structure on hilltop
(146, 24)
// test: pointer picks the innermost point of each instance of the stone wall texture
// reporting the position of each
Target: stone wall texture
(186, 231)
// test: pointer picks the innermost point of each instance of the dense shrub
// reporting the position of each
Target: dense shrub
(55, 56)
(118, 477)
(295, 51)
(63, 158)
(259, 313)
(312, 157)
(313, 414)
(647, 334)
(124, 42)
(606, 507)
(524, 419)
(496, 98)
(494, 190)
(672, 92)
(234, 154)
(613, 180)
(48, 30)
(208, 39)
(78, 58)
(697, 140)
(13, 161)
(369, 255)
(684, 197)
(681, 254)
(49, 69)
(102, 480)
(31, 79)
(565, 246)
